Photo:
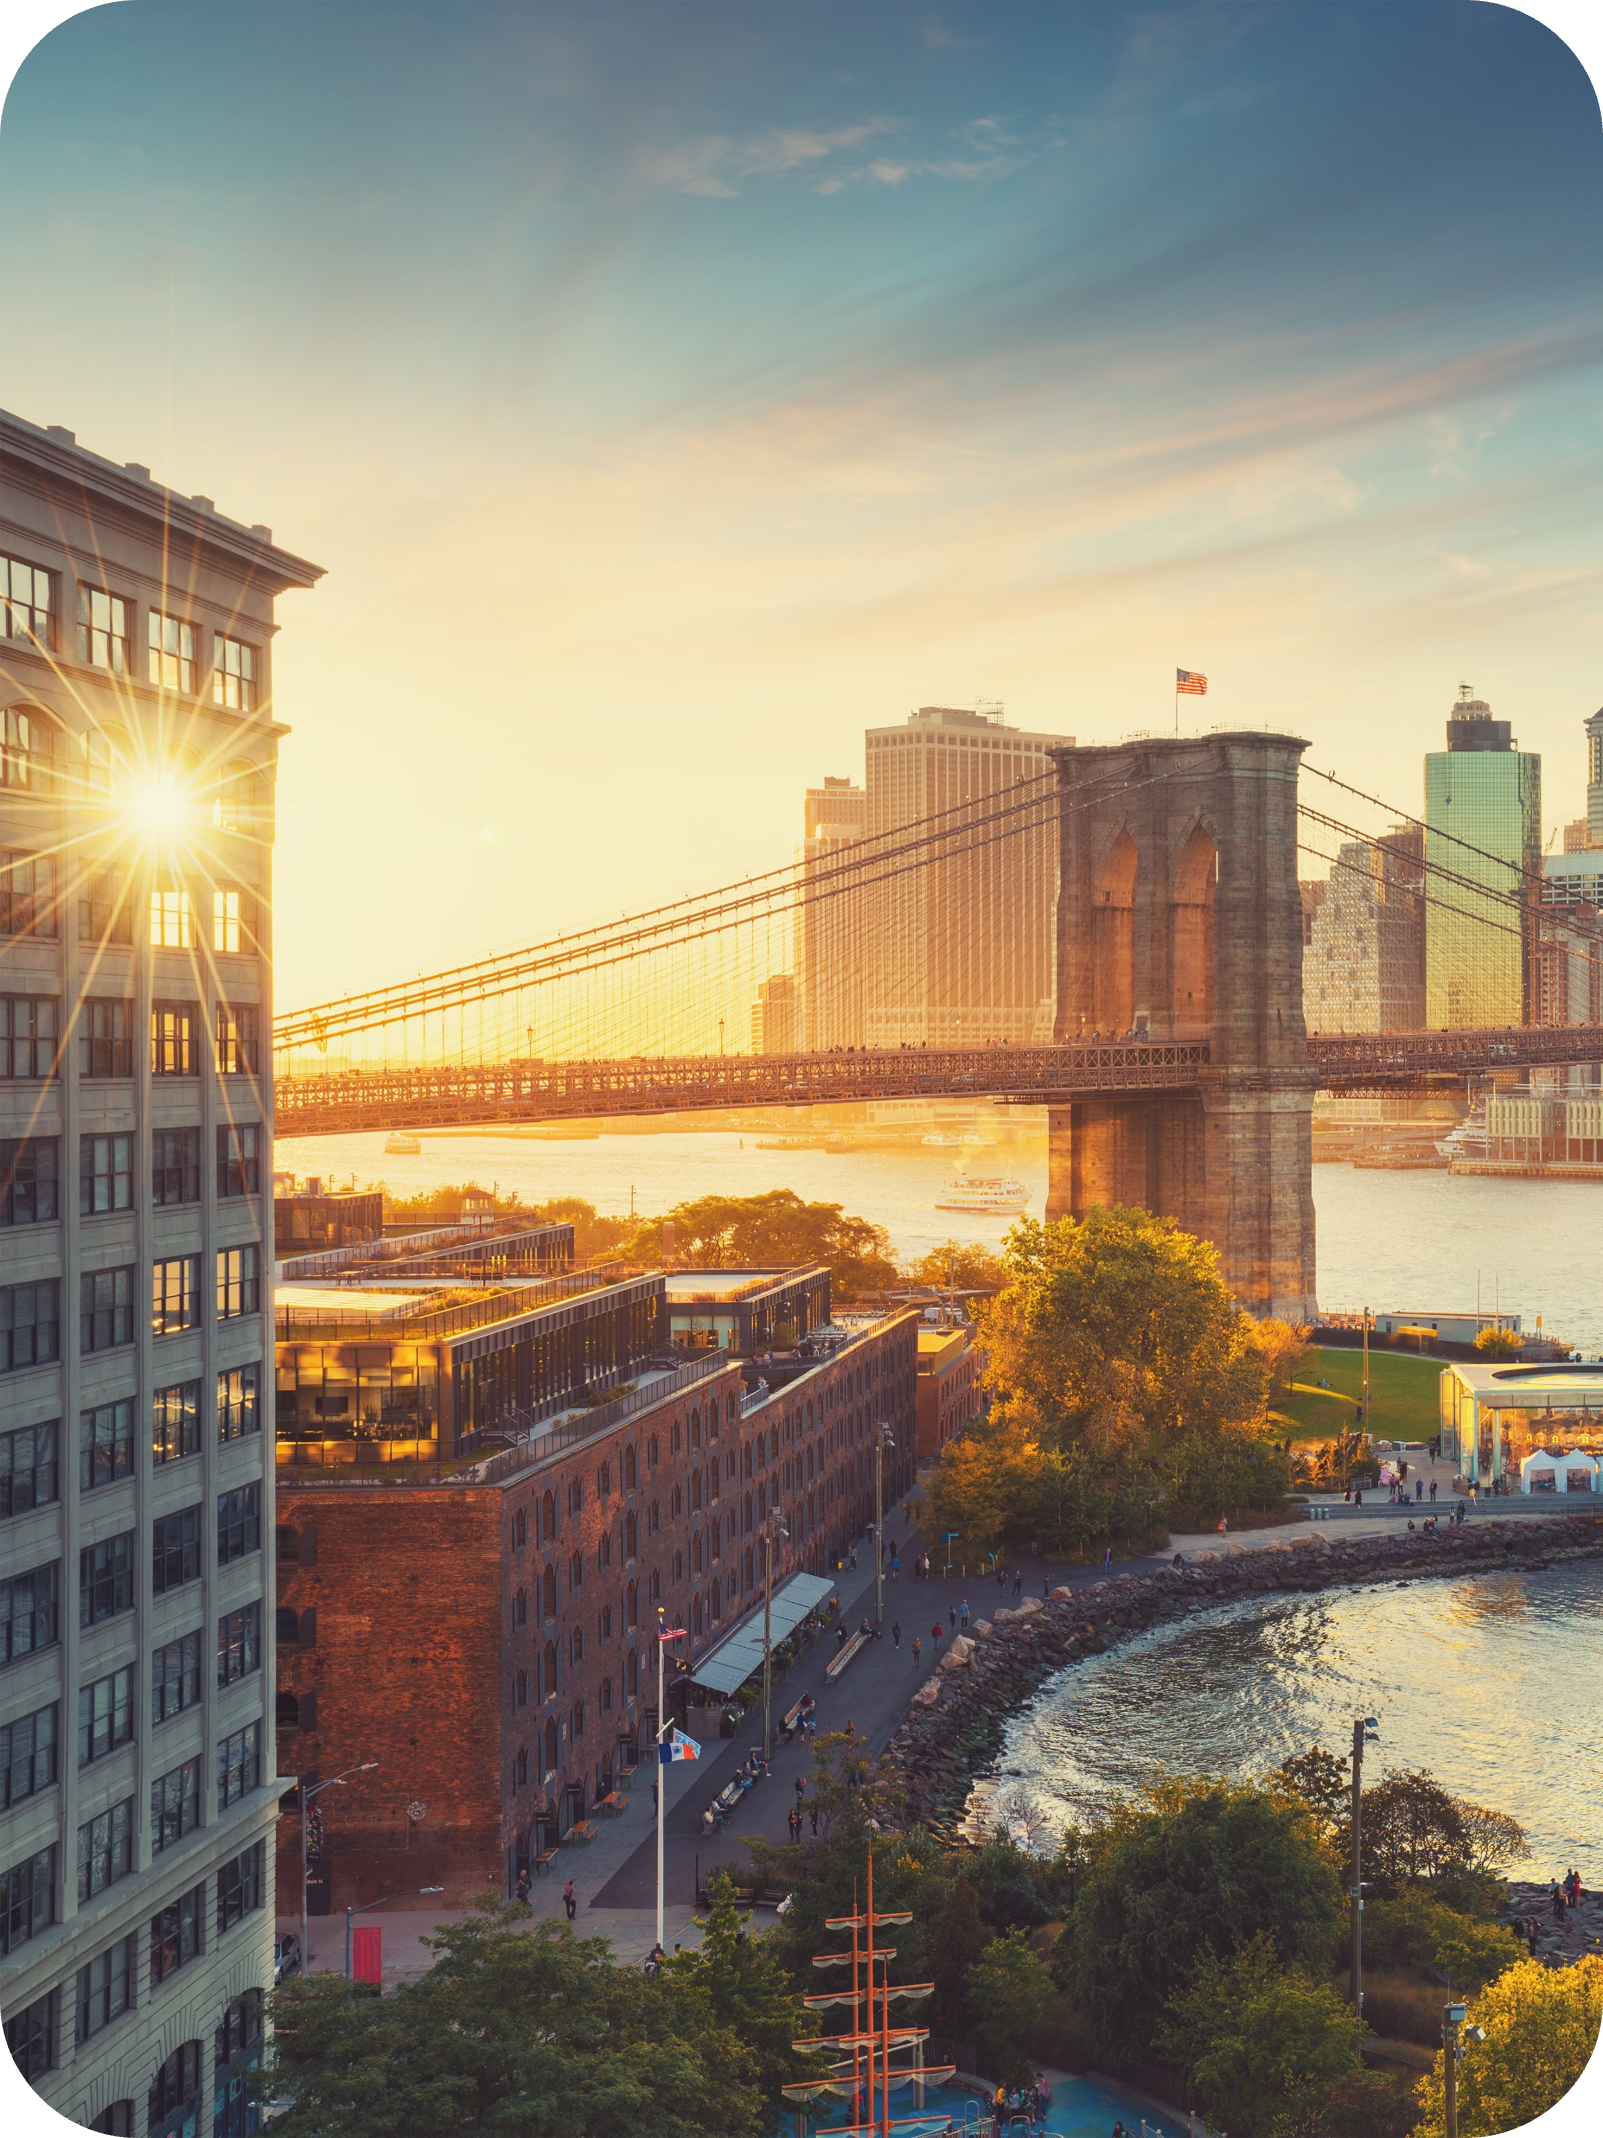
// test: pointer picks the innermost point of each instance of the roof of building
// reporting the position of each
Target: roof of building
(685, 1285)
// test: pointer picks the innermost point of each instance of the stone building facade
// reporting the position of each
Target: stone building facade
(491, 1645)
(138, 745)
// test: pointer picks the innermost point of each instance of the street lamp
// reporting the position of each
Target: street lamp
(883, 1442)
(334, 1781)
(1365, 1731)
(1453, 2016)
(771, 1522)
(362, 1910)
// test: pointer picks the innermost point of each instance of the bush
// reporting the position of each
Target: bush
(1401, 2007)
(1416, 1933)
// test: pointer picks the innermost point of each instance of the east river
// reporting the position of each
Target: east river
(1489, 1681)
(1421, 1241)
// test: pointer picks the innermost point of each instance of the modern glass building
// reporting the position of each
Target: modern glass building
(1512, 1426)
(1483, 849)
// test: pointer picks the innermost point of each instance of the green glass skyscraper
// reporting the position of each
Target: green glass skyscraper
(1480, 944)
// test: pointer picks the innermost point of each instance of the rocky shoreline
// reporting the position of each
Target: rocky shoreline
(955, 1725)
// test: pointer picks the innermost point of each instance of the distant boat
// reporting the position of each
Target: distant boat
(1468, 1140)
(985, 1198)
(942, 1142)
(401, 1145)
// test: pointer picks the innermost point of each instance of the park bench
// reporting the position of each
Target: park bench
(544, 1860)
(579, 1835)
(857, 1641)
(613, 1805)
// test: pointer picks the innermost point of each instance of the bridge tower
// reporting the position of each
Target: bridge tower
(1179, 915)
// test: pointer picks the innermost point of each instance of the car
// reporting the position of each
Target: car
(286, 1957)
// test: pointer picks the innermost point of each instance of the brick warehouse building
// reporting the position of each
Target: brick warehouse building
(490, 1643)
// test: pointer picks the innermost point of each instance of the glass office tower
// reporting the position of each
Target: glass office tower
(1483, 853)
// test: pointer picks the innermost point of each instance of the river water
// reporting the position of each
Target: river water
(1419, 1241)
(1489, 1681)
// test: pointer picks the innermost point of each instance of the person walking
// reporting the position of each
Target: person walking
(1107, 1560)
(840, 1634)
(801, 1787)
(1018, 1581)
(935, 1635)
(896, 1633)
(1433, 1491)
(963, 1613)
(795, 1822)
(570, 1900)
(951, 1612)
(523, 1883)
(918, 1650)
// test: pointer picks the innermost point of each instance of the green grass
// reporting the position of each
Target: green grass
(1402, 1395)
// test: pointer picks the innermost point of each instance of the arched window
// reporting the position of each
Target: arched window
(234, 808)
(289, 1625)
(107, 759)
(576, 1571)
(695, 1553)
(548, 1517)
(630, 1478)
(695, 1489)
(631, 1604)
(520, 1528)
(715, 1535)
(678, 1436)
(695, 1617)
(520, 1608)
(653, 1451)
(27, 750)
(695, 1428)
(606, 1696)
(678, 1502)
(549, 1586)
(717, 1603)
(1191, 938)
(654, 1519)
(520, 1691)
(631, 1536)
(552, 1748)
(287, 1712)
(548, 1682)
(631, 1672)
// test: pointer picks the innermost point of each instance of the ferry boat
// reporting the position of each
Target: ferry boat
(985, 1198)
(402, 1145)
(1468, 1140)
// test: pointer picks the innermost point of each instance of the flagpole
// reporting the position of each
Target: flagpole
(662, 1775)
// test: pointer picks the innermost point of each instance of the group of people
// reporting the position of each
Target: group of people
(1031, 2102)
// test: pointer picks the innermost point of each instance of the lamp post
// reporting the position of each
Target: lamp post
(882, 1442)
(665, 1633)
(334, 1781)
(771, 1522)
(1365, 1731)
(362, 1910)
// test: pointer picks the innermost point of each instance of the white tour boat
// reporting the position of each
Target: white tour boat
(985, 1198)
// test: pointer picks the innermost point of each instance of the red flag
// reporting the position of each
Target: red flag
(1189, 684)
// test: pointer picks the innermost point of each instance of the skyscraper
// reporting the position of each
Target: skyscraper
(136, 1340)
(1364, 965)
(1483, 819)
(829, 930)
(960, 951)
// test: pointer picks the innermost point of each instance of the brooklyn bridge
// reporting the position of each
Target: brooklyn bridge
(1179, 1075)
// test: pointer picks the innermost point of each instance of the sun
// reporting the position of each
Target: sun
(158, 805)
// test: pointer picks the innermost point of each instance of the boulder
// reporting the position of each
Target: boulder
(958, 1655)
(928, 1693)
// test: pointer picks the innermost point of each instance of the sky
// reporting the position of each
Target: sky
(673, 391)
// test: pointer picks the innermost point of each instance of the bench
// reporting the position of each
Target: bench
(613, 1805)
(857, 1641)
(544, 1860)
(792, 1716)
(579, 1835)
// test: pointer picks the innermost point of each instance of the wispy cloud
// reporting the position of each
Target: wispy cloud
(718, 165)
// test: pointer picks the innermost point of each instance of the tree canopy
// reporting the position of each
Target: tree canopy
(778, 1228)
(1541, 2028)
(962, 1266)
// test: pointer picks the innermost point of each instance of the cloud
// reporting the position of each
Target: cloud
(718, 165)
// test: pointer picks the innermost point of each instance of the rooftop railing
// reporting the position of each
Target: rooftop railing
(335, 1323)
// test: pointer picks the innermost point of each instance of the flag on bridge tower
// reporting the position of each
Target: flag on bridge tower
(1189, 684)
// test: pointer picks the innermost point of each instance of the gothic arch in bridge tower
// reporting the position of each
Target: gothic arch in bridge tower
(1191, 938)
(1113, 939)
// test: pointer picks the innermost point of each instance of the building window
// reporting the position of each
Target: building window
(105, 1988)
(174, 1805)
(26, 592)
(170, 653)
(576, 1571)
(239, 1887)
(239, 1644)
(604, 1624)
(27, 1899)
(175, 1166)
(28, 1468)
(27, 1038)
(175, 1677)
(27, 1614)
(175, 1937)
(238, 1409)
(236, 1039)
(575, 1495)
(31, 2037)
(27, 1756)
(105, 914)
(578, 1719)
(177, 2084)
(233, 673)
(105, 1037)
(239, 2030)
(105, 1715)
(170, 921)
(105, 1174)
(106, 1579)
(174, 1550)
(175, 1422)
(604, 1480)
(239, 1528)
(239, 1282)
(115, 2120)
(27, 895)
(27, 751)
(105, 1850)
(172, 1039)
(239, 1767)
(520, 1689)
(28, 1175)
(236, 796)
(105, 1309)
(175, 1295)
(576, 1646)
(230, 930)
(105, 1444)
(103, 630)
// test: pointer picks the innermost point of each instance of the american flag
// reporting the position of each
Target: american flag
(1188, 684)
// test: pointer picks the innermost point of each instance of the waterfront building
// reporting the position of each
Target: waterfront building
(1364, 966)
(829, 933)
(741, 1311)
(961, 951)
(774, 1016)
(1483, 818)
(1496, 1419)
(516, 1686)
(949, 1367)
(137, 762)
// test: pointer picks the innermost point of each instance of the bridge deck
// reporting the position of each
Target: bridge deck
(348, 1100)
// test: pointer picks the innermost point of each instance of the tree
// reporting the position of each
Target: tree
(960, 1267)
(1318, 1779)
(1191, 1864)
(776, 1229)
(517, 2028)
(1412, 1829)
(1491, 1840)
(1283, 1346)
(958, 1940)
(1499, 1343)
(1010, 1993)
(1541, 2028)
(1262, 2043)
(746, 1991)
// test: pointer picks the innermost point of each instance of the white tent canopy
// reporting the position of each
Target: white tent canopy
(1545, 1463)
(727, 1667)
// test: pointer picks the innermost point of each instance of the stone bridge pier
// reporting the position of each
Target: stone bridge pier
(1179, 916)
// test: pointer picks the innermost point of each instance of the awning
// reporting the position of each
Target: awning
(727, 1667)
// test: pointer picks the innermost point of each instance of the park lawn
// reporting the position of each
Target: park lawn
(1402, 1395)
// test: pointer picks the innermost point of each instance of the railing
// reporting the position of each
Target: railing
(331, 1325)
